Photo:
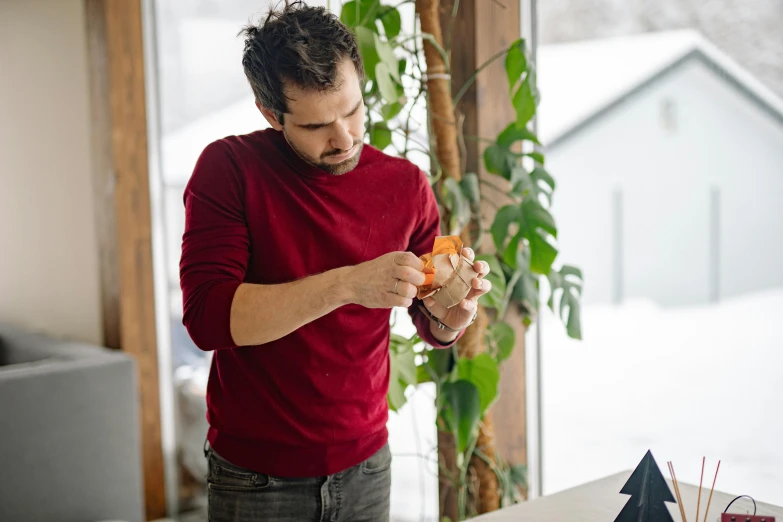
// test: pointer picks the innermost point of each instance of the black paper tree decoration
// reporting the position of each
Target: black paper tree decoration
(649, 491)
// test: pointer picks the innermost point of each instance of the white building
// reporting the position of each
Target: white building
(669, 162)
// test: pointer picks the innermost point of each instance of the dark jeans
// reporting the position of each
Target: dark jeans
(358, 494)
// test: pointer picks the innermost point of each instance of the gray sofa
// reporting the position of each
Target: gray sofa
(70, 447)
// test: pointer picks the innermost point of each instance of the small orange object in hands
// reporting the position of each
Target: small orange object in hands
(449, 274)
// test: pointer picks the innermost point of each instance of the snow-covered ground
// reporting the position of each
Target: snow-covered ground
(682, 382)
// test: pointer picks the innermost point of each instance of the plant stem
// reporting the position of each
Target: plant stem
(464, 473)
(373, 9)
(408, 119)
(450, 28)
(492, 186)
(431, 39)
(475, 74)
(509, 290)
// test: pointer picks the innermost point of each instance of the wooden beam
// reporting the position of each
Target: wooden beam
(103, 172)
(481, 29)
(123, 206)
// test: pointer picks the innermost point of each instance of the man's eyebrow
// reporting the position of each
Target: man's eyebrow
(314, 126)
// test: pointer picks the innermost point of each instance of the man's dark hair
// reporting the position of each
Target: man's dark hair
(300, 44)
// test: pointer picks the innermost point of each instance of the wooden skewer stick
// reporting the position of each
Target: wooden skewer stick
(677, 491)
(701, 480)
(677, 488)
(713, 489)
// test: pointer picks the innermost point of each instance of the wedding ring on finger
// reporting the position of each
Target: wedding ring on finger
(395, 286)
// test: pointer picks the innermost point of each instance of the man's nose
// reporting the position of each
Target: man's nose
(341, 139)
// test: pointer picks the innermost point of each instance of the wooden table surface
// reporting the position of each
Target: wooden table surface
(601, 501)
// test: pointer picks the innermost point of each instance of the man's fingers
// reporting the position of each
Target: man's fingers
(408, 275)
(409, 259)
(406, 290)
(437, 309)
(479, 288)
(481, 267)
(469, 253)
(468, 304)
(404, 302)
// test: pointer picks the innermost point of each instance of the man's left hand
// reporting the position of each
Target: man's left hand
(460, 316)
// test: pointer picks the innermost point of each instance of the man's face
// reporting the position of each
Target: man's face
(325, 128)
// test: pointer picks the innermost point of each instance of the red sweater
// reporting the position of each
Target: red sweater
(313, 402)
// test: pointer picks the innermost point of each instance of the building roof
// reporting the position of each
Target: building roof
(583, 81)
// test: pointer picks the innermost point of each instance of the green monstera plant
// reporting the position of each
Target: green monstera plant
(523, 231)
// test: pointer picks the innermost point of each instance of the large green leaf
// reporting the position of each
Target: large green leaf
(353, 13)
(572, 271)
(493, 298)
(386, 83)
(366, 39)
(422, 375)
(521, 182)
(390, 18)
(402, 65)
(512, 252)
(534, 215)
(390, 110)
(535, 224)
(516, 63)
(542, 254)
(470, 188)
(504, 217)
(533, 81)
(569, 281)
(543, 182)
(514, 133)
(498, 160)
(503, 338)
(457, 204)
(380, 135)
(463, 409)
(482, 370)
(386, 54)
(401, 374)
(407, 364)
(574, 323)
(536, 156)
(526, 290)
(350, 14)
(396, 394)
(538, 182)
(524, 103)
(440, 361)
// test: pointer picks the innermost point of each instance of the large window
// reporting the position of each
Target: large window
(202, 96)
(663, 123)
(663, 126)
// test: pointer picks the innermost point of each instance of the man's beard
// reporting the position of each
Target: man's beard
(336, 169)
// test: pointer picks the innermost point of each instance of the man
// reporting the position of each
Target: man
(298, 242)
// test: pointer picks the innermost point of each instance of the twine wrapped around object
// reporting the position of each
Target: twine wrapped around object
(452, 274)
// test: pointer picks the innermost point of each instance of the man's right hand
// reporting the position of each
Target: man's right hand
(387, 281)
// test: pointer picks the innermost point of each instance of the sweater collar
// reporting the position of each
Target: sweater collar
(304, 168)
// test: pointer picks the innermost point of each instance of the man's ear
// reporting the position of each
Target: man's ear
(270, 117)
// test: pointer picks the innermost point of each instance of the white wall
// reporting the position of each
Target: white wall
(49, 277)
(665, 174)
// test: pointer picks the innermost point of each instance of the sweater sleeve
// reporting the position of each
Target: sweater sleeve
(215, 247)
(421, 242)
